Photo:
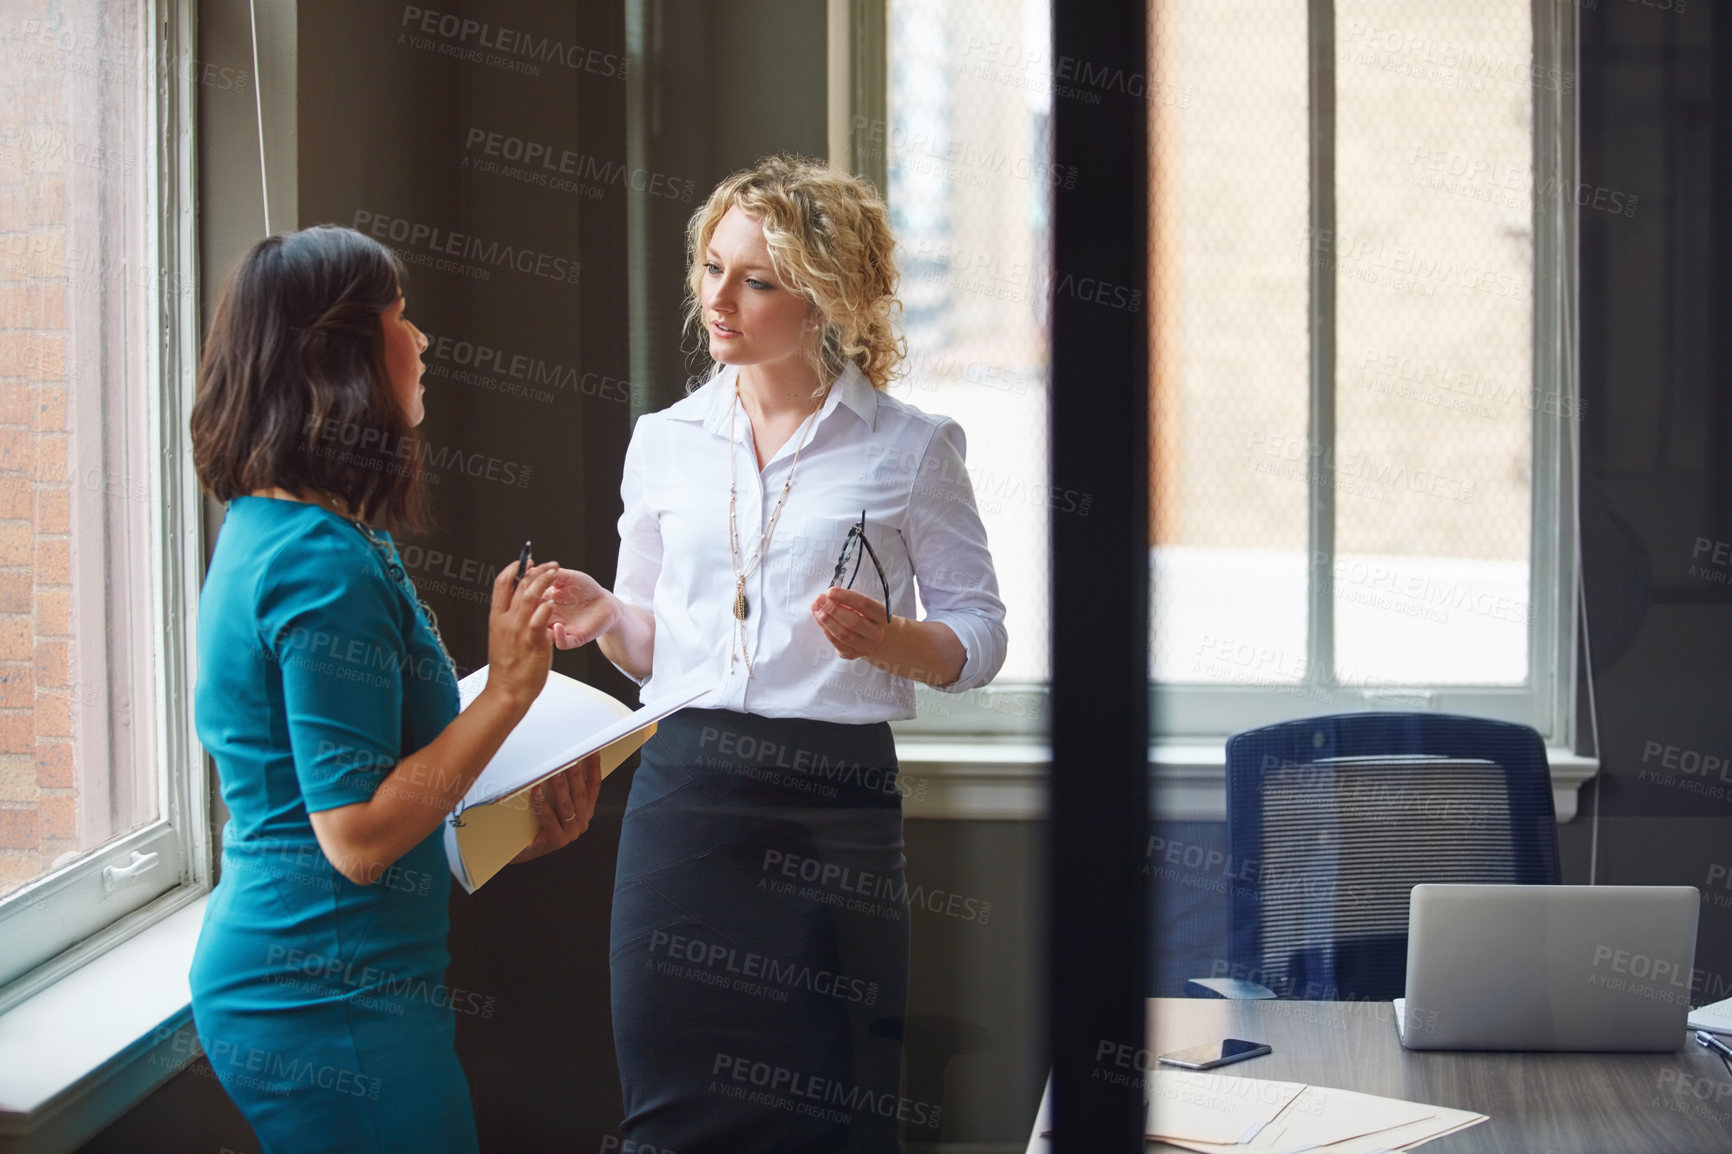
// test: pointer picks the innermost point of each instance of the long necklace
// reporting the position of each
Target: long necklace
(741, 607)
(401, 578)
(393, 567)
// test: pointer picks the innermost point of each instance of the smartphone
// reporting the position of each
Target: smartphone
(1222, 1053)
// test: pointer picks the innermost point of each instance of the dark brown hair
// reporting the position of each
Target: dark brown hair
(292, 387)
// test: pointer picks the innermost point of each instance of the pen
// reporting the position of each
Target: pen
(522, 564)
(1709, 1042)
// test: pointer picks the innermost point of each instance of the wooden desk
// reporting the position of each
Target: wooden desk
(1677, 1103)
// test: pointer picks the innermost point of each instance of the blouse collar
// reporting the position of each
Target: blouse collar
(711, 403)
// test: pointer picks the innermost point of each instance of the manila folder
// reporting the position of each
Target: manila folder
(568, 721)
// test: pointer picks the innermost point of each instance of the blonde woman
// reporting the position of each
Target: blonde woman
(778, 523)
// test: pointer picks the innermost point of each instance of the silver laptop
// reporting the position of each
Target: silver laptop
(1508, 967)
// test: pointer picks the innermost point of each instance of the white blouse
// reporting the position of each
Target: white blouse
(868, 451)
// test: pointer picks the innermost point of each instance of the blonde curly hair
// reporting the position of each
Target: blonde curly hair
(830, 243)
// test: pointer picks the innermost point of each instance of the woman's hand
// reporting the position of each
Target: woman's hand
(582, 609)
(563, 805)
(852, 622)
(518, 653)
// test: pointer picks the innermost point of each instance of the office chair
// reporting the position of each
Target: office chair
(1333, 820)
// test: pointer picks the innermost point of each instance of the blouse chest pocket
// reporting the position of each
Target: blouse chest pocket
(817, 545)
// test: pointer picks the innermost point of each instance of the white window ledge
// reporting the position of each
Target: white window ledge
(80, 1053)
(982, 779)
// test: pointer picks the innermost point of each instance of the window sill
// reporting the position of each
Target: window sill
(80, 1053)
(984, 780)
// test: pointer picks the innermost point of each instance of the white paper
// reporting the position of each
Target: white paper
(1217, 1108)
(1715, 1017)
(1321, 1116)
(1408, 1137)
(454, 858)
(569, 720)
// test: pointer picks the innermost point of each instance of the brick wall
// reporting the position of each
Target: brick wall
(38, 773)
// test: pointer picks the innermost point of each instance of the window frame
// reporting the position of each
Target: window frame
(65, 918)
(1190, 712)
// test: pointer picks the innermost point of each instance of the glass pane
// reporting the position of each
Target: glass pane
(968, 152)
(1434, 282)
(77, 288)
(970, 179)
(1229, 378)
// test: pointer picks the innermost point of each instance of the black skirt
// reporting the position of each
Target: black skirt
(760, 938)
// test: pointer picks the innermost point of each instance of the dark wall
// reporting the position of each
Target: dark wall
(1656, 357)
(497, 170)
(724, 82)
(501, 183)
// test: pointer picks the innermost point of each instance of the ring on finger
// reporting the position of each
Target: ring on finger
(573, 817)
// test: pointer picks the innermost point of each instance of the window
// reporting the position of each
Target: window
(1356, 485)
(1362, 488)
(967, 148)
(99, 814)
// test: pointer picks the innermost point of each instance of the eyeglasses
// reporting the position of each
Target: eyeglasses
(849, 562)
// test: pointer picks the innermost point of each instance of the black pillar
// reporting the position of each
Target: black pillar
(1100, 573)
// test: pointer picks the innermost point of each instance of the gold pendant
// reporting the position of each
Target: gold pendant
(740, 608)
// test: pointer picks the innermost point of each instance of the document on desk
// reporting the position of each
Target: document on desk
(1214, 1108)
(1323, 1120)
(1715, 1017)
(1408, 1137)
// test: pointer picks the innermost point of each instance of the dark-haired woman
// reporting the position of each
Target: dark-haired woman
(329, 704)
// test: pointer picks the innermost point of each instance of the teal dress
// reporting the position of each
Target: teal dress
(320, 1002)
